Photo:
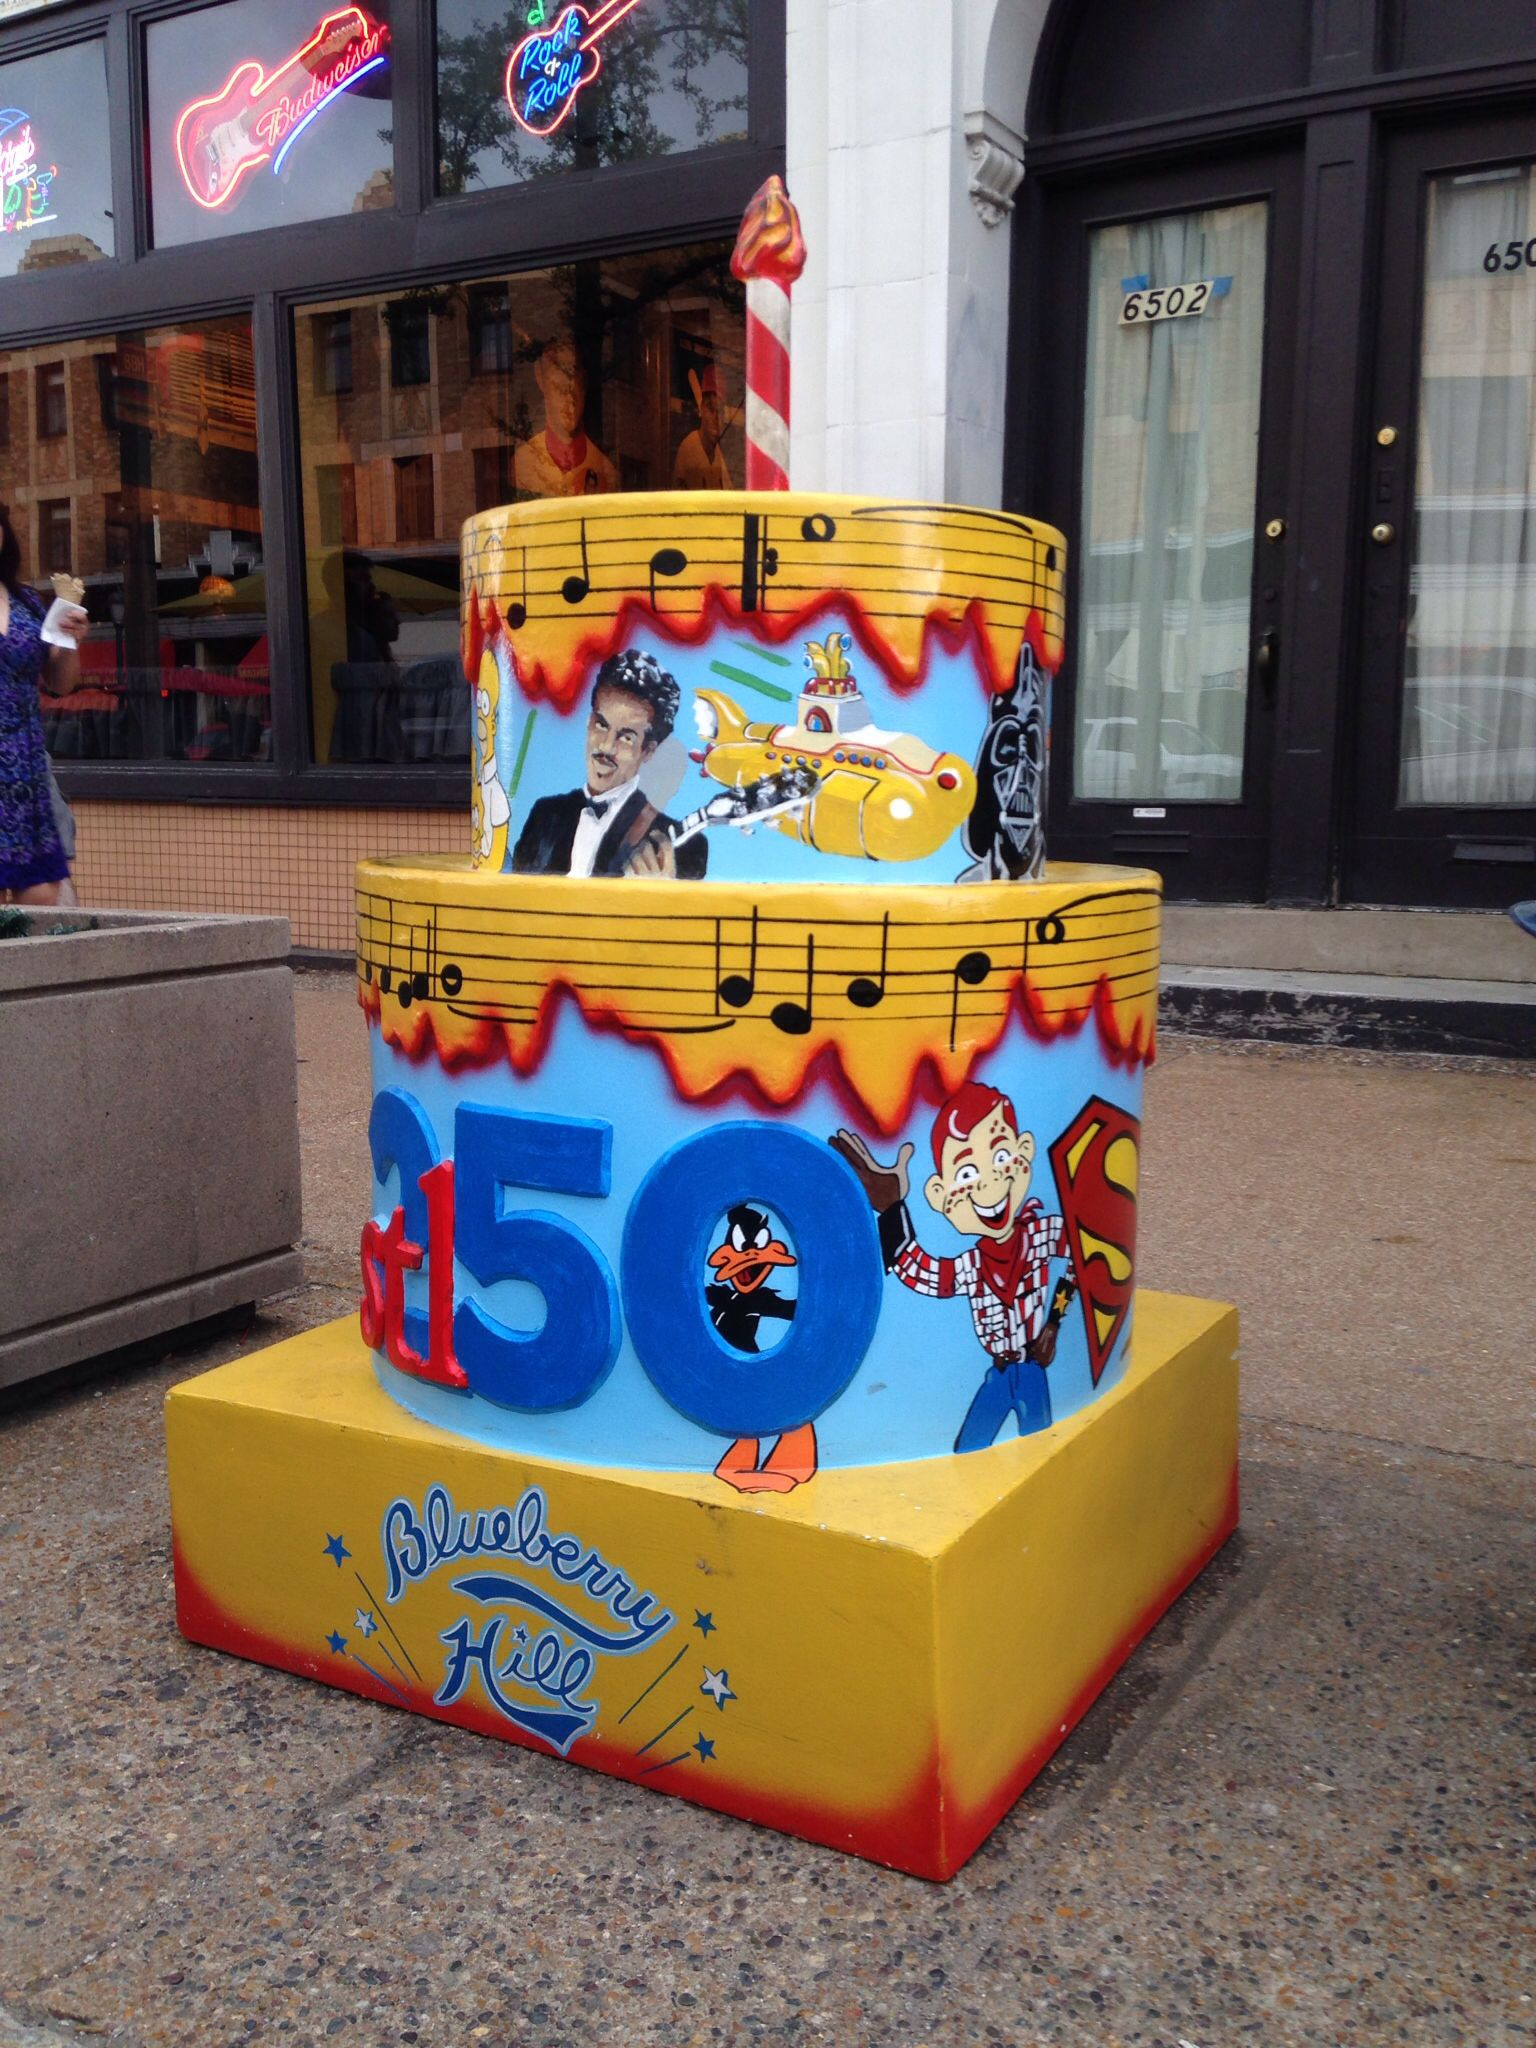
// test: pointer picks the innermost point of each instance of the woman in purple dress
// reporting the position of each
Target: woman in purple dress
(33, 867)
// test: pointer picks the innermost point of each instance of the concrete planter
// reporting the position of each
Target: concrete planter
(149, 1142)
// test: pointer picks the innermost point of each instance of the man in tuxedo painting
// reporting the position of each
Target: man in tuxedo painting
(610, 827)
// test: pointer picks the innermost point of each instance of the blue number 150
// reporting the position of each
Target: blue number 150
(461, 1209)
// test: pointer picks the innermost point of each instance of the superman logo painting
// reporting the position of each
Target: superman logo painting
(1095, 1161)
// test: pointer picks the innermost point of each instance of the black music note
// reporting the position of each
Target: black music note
(407, 988)
(867, 991)
(738, 989)
(1050, 931)
(795, 1018)
(666, 562)
(449, 977)
(818, 526)
(972, 969)
(387, 971)
(577, 589)
(517, 613)
(759, 561)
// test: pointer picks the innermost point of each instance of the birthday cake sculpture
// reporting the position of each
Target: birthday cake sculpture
(750, 1395)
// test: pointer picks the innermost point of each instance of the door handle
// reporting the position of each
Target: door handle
(1266, 658)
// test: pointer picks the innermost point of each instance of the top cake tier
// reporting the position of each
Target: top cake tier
(760, 687)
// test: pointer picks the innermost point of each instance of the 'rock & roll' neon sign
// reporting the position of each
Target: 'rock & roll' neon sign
(26, 186)
(256, 116)
(548, 68)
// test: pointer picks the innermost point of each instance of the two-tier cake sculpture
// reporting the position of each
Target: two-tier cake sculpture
(750, 1397)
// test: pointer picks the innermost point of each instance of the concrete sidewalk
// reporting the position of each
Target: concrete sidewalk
(1301, 1815)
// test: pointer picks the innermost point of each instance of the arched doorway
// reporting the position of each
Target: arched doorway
(1274, 369)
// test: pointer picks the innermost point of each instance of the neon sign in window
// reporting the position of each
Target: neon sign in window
(26, 186)
(548, 69)
(257, 115)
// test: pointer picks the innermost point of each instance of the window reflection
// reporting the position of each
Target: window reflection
(131, 462)
(673, 76)
(624, 374)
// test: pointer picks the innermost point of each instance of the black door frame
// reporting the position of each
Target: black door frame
(1342, 118)
(1469, 857)
(1213, 851)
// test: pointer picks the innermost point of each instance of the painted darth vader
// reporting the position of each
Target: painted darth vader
(1005, 833)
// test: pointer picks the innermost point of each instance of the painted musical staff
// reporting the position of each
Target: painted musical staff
(730, 984)
(423, 976)
(580, 579)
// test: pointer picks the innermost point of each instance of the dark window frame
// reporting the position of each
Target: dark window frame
(489, 318)
(48, 425)
(415, 482)
(271, 273)
(329, 381)
(48, 520)
(408, 323)
(493, 460)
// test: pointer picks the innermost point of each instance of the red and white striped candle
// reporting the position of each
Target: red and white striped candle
(769, 256)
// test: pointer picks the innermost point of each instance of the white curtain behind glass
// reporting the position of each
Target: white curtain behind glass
(1170, 471)
(1469, 697)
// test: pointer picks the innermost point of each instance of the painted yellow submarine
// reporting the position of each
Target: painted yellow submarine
(879, 795)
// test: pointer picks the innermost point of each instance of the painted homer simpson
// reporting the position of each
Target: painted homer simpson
(980, 1185)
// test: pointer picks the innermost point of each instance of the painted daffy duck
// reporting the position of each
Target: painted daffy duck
(738, 1302)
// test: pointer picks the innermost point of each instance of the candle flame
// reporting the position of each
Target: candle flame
(770, 243)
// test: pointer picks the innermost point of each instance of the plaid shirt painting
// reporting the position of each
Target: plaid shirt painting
(1001, 1326)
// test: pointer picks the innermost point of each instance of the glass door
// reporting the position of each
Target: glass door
(1163, 719)
(1446, 755)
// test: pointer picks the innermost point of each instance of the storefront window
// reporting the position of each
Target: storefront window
(263, 112)
(1468, 733)
(55, 177)
(1170, 467)
(147, 493)
(527, 90)
(616, 374)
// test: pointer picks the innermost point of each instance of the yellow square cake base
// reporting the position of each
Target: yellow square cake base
(880, 1661)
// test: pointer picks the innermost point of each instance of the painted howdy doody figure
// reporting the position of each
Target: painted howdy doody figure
(980, 1185)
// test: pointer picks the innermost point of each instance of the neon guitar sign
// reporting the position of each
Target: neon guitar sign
(547, 70)
(256, 116)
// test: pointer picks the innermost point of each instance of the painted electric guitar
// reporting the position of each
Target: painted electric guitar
(775, 796)
(255, 113)
(549, 67)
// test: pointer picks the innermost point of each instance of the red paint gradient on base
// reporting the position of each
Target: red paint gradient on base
(970, 1827)
(927, 1832)
(904, 1836)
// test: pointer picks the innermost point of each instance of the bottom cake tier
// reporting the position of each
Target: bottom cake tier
(760, 1184)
